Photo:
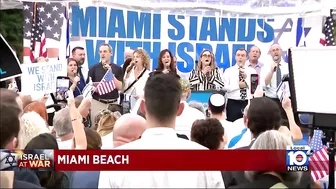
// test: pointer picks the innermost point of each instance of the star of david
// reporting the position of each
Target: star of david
(287, 27)
(10, 159)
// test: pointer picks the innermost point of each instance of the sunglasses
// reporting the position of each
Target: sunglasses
(207, 55)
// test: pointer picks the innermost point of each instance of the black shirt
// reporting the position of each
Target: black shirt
(97, 72)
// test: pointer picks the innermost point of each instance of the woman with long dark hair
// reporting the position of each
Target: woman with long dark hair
(166, 63)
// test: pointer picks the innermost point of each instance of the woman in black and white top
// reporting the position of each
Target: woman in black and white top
(136, 74)
(206, 76)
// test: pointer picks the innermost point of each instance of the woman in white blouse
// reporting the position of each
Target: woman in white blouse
(136, 74)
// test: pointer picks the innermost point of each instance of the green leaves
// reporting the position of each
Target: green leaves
(11, 27)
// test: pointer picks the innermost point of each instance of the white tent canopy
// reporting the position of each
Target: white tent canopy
(250, 7)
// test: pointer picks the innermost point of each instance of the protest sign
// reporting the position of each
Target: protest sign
(9, 64)
(41, 77)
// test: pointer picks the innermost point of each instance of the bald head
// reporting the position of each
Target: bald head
(128, 128)
(276, 52)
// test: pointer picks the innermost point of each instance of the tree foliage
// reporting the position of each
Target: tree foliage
(11, 27)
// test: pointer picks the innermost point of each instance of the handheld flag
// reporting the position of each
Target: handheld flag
(106, 85)
(319, 161)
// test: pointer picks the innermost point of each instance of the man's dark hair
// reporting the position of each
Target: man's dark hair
(162, 96)
(8, 96)
(9, 122)
(263, 114)
(242, 49)
(76, 48)
(208, 133)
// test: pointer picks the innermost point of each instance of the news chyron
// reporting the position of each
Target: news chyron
(41, 160)
(297, 158)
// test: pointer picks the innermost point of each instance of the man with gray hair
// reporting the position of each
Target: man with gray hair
(63, 128)
(189, 114)
(128, 54)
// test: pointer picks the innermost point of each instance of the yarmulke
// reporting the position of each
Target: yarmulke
(184, 84)
(217, 100)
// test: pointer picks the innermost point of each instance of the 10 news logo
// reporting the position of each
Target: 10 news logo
(297, 158)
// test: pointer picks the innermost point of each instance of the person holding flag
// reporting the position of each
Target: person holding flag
(107, 78)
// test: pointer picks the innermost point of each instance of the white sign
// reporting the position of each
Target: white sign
(41, 77)
(283, 90)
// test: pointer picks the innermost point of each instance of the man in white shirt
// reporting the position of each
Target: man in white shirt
(216, 107)
(161, 104)
(272, 74)
(237, 81)
(189, 114)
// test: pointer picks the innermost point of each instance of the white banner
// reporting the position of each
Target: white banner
(41, 77)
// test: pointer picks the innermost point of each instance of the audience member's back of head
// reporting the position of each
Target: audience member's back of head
(62, 122)
(9, 125)
(273, 140)
(78, 100)
(162, 97)
(38, 107)
(48, 179)
(208, 133)
(32, 124)
(10, 97)
(93, 139)
(42, 141)
(263, 114)
(216, 103)
(106, 122)
(128, 127)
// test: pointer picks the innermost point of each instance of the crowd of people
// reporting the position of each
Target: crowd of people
(235, 119)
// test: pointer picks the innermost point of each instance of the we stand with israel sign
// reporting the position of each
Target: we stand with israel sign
(41, 77)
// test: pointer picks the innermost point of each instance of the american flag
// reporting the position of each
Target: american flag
(327, 38)
(43, 21)
(37, 35)
(319, 162)
(106, 85)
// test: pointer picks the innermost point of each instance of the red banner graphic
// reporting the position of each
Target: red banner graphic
(169, 160)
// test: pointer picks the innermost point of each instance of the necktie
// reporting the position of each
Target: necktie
(278, 76)
(237, 138)
(243, 93)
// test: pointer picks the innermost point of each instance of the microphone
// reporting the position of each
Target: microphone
(75, 74)
(275, 59)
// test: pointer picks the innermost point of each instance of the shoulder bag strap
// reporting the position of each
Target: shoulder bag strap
(131, 85)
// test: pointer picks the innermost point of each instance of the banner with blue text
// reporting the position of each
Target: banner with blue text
(186, 35)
